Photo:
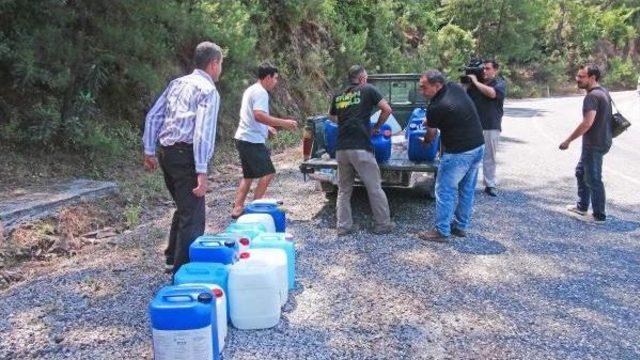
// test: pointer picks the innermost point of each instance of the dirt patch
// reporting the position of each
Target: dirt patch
(72, 229)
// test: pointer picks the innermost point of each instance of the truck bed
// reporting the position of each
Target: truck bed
(398, 161)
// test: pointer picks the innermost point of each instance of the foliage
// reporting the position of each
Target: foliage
(78, 76)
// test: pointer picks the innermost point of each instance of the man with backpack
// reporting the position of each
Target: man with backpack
(595, 130)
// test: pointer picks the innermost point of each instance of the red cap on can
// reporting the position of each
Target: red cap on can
(218, 293)
(244, 242)
(244, 255)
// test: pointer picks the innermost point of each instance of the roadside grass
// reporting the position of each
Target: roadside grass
(142, 195)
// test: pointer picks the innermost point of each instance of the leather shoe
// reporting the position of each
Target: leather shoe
(457, 232)
(433, 235)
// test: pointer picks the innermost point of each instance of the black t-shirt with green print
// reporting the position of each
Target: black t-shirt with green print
(353, 107)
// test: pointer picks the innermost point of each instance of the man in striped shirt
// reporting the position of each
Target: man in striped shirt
(183, 120)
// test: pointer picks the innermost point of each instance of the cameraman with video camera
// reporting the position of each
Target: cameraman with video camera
(487, 92)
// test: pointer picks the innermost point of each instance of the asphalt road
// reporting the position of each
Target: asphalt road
(529, 282)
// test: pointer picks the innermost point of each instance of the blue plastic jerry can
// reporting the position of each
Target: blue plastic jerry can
(221, 248)
(184, 323)
(276, 212)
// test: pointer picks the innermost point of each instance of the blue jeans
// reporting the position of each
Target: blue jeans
(590, 186)
(455, 185)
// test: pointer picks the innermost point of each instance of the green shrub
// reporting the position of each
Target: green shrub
(621, 74)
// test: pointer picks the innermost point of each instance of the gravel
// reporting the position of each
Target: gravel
(527, 282)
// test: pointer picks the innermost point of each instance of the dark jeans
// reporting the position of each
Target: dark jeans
(590, 186)
(188, 223)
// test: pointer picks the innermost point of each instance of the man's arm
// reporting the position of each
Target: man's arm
(585, 125)
(385, 111)
(153, 123)
(431, 134)
(204, 138)
(264, 118)
(486, 90)
(204, 134)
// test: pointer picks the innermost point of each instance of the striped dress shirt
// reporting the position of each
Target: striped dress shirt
(186, 112)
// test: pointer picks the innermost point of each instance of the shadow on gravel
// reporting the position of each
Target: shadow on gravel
(512, 140)
(522, 112)
(478, 245)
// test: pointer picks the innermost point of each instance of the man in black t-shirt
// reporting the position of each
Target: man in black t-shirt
(595, 130)
(488, 96)
(453, 112)
(354, 152)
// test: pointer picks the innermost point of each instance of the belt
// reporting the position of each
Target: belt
(178, 145)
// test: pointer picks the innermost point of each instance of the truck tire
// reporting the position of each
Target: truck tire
(432, 187)
(431, 191)
(330, 190)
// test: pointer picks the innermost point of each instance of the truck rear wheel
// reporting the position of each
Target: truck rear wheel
(330, 190)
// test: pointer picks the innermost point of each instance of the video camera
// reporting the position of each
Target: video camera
(475, 67)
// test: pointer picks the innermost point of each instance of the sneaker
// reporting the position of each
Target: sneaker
(385, 229)
(344, 231)
(574, 209)
(458, 232)
(433, 235)
(491, 191)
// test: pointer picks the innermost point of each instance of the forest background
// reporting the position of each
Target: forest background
(77, 77)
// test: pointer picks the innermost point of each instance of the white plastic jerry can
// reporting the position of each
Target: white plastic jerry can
(269, 201)
(253, 294)
(264, 219)
(221, 310)
(278, 259)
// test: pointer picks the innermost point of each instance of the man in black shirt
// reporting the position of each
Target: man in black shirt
(453, 112)
(595, 130)
(354, 151)
(488, 96)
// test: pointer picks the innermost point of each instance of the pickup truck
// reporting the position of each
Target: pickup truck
(401, 91)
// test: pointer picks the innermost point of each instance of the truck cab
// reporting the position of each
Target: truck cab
(403, 95)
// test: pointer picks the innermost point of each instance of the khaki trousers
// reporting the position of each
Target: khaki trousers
(491, 138)
(362, 163)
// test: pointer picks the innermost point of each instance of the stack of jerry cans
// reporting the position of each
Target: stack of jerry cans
(184, 324)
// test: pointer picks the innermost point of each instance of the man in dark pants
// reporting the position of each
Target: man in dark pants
(488, 96)
(351, 108)
(595, 130)
(183, 120)
(453, 112)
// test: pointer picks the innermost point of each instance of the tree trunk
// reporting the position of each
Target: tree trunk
(560, 27)
(497, 41)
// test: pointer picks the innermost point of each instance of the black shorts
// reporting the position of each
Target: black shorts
(255, 159)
